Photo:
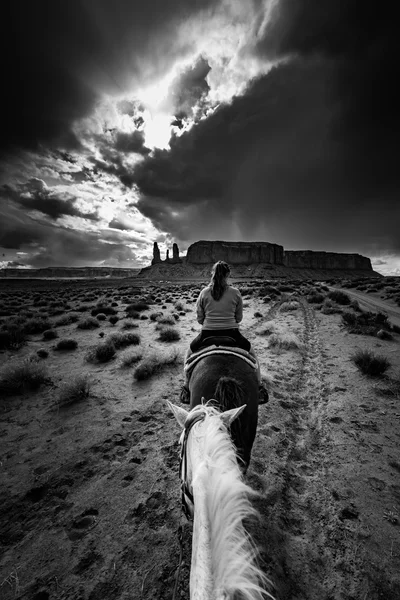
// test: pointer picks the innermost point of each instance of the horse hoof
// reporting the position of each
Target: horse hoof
(184, 398)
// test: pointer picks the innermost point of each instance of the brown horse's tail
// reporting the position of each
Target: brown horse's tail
(230, 394)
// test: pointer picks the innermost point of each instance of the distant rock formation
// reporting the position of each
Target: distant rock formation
(235, 253)
(157, 257)
(307, 259)
(68, 273)
(156, 254)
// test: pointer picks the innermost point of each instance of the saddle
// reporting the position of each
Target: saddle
(215, 340)
(210, 350)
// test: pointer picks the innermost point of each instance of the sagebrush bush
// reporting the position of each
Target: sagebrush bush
(113, 319)
(154, 316)
(102, 352)
(101, 317)
(121, 340)
(169, 334)
(12, 336)
(315, 298)
(66, 320)
(42, 353)
(289, 306)
(66, 344)
(137, 307)
(339, 297)
(167, 320)
(103, 309)
(74, 391)
(50, 334)
(129, 325)
(267, 328)
(88, 323)
(37, 325)
(155, 363)
(369, 363)
(131, 357)
(258, 315)
(22, 374)
(284, 341)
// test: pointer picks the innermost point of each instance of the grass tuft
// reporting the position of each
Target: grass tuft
(369, 363)
(102, 352)
(88, 323)
(155, 363)
(169, 334)
(74, 391)
(66, 344)
(131, 357)
(18, 375)
(121, 340)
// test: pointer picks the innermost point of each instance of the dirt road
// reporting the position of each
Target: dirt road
(375, 304)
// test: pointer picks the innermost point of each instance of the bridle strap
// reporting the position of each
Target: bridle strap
(186, 493)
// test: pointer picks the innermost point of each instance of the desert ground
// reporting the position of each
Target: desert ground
(90, 498)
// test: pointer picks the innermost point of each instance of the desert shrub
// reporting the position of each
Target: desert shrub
(101, 317)
(66, 320)
(88, 323)
(102, 352)
(50, 334)
(267, 328)
(129, 324)
(330, 308)
(42, 353)
(114, 304)
(82, 308)
(369, 363)
(339, 297)
(382, 334)
(104, 309)
(258, 315)
(66, 344)
(144, 317)
(284, 341)
(24, 374)
(168, 320)
(366, 323)
(154, 316)
(355, 305)
(289, 306)
(395, 328)
(155, 363)
(169, 334)
(133, 314)
(74, 391)
(37, 325)
(179, 306)
(121, 340)
(137, 307)
(131, 357)
(315, 298)
(12, 336)
(113, 319)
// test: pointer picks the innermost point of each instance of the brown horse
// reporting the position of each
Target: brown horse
(231, 382)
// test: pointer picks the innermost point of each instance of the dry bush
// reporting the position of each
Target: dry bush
(88, 323)
(369, 363)
(330, 308)
(101, 317)
(66, 344)
(315, 298)
(258, 315)
(155, 363)
(137, 307)
(104, 309)
(129, 325)
(12, 336)
(103, 352)
(366, 323)
(267, 328)
(50, 334)
(167, 320)
(18, 375)
(169, 334)
(131, 357)
(113, 319)
(289, 306)
(66, 320)
(339, 297)
(121, 340)
(284, 341)
(36, 325)
(74, 391)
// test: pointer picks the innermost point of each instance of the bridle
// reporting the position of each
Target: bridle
(186, 490)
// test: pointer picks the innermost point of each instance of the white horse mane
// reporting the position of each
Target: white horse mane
(234, 557)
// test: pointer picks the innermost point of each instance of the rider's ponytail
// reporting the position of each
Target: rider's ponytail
(219, 273)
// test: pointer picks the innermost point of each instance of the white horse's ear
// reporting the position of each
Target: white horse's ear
(230, 415)
(179, 413)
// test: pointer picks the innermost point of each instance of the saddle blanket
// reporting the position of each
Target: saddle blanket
(193, 359)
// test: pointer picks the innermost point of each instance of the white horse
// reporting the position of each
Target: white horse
(224, 562)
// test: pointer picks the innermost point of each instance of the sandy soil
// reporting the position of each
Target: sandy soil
(90, 502)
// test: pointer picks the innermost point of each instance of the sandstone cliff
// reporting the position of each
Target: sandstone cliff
(234, 253)
(68, 272)
(307, 259)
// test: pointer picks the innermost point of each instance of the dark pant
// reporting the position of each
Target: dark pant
(241, 341)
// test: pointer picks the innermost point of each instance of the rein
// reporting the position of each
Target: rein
(186, 491)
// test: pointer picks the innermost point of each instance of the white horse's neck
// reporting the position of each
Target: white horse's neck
(201, 578)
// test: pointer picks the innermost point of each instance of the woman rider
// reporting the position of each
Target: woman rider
(219, 310)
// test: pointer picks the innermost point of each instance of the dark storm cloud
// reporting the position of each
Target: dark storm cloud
(131, 142)
(275, 162)
(35, 195)
(190, 88)
(57, 56)
(46, 244)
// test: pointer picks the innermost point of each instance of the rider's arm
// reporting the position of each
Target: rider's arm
(239, 309)
(200, 309)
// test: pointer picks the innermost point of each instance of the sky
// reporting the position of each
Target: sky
(127, 123)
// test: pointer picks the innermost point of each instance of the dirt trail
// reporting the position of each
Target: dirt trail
(375, 304)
